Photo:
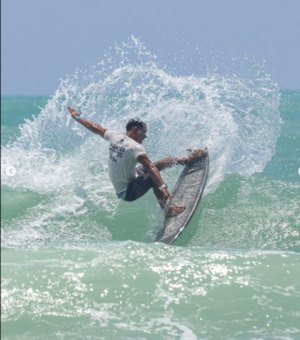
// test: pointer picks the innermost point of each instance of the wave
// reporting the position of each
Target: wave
(236, 118)
(130, 289)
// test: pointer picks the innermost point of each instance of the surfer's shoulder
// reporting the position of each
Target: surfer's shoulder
(110, 134)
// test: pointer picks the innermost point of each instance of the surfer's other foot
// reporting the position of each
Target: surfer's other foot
(196, 154)
(174, 211)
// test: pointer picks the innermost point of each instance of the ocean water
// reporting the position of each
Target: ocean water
(77, 263)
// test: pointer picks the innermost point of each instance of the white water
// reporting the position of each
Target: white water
(237, 119)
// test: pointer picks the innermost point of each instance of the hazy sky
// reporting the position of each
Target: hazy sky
(43, 40)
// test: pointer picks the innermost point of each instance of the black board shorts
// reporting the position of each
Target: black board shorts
(139, 185)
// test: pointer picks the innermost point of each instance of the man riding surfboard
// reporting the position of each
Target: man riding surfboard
(125, 151)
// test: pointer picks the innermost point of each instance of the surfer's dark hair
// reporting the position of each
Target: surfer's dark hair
(136, 122)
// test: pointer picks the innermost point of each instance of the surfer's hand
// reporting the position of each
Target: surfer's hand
(73, 112)
(166, 194)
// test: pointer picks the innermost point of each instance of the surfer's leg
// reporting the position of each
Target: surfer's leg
(168, 162)
(139, 185)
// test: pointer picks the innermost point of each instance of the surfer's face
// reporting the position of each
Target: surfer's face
(140, 135)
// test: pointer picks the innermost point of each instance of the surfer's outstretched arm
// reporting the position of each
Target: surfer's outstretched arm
(94, 127)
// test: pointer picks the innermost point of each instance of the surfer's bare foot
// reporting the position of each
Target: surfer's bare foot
(196, 154)
(174, 211)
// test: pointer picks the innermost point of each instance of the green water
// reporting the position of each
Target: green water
(132, 290)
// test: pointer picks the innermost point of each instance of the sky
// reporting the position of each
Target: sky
(43, 40)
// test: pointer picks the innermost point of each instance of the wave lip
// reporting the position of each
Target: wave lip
(237, 119)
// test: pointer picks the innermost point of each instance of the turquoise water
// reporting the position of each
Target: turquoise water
(79, 264)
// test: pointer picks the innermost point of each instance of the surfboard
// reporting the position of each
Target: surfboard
(187, 192)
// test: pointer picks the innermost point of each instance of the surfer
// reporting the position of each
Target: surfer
(125, 151)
